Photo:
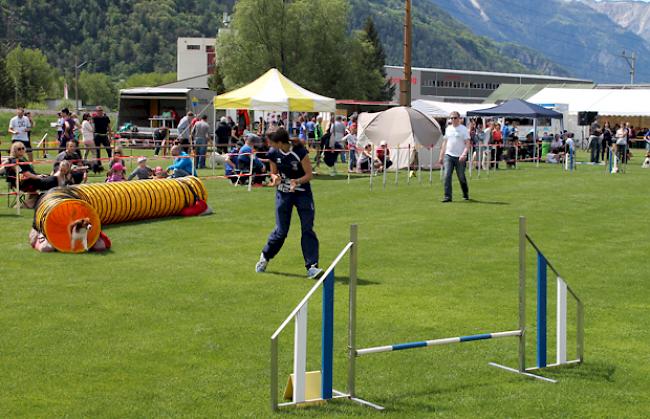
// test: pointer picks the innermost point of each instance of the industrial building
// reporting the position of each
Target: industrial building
(466, 86)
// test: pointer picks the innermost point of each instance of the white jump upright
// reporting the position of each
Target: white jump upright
(327, 282)
(560, 330)
(300, 355)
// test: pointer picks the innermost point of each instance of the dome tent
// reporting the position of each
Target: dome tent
(402, 127)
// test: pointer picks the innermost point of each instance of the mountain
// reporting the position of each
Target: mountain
(577, 37)
(122, 37)
(441, 41)
(631, 15)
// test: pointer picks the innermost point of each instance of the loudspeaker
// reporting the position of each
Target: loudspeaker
(586, 118)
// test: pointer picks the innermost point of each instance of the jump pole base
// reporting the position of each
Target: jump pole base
(367, 403)
(564, 364)
(526, 374)
(337, 395)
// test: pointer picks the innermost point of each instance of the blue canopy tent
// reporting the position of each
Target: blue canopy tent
(518, 108)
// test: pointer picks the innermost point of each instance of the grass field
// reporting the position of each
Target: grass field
(173, 321)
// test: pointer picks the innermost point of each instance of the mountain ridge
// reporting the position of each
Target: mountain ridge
(577, 37)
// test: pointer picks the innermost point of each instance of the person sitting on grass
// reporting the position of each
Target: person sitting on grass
(77, 165)
(64, 174)
(142, 171)
(116, 173)
(230, 163)
(159, 173)
(244, 160)
(383, 152)
(182, 166)
(363, 164)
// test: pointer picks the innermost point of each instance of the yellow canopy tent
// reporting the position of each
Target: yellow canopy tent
(274, 92)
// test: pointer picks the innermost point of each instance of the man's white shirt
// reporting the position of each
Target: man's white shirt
(456, 137)
(20, 125)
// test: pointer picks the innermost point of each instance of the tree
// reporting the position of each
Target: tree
(6, 85)
(215, 81)
(97, 89)
(307, 40)
(31, 74)
(377, 59)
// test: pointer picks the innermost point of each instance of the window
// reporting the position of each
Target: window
(194, 47)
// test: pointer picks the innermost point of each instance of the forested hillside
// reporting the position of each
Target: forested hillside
(118, 37)
(123, 37)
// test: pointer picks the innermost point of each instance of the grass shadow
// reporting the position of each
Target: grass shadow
(593, 371)
(338, 279)
(476, 201)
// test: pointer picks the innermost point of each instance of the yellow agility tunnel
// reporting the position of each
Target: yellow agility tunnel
(111, 203)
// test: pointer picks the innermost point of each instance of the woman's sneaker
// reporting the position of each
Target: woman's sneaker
(260, 266)
(313, 271)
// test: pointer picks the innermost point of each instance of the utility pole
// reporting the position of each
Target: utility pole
(405, 84)
(631, 61)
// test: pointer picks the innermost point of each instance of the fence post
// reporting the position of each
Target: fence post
(431, 166)
(397, 167)
(352, 318)
(250, 172)
(408, 178)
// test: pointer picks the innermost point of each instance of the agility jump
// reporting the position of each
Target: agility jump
(317, 387)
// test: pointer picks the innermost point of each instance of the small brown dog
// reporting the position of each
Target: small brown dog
(79, 233)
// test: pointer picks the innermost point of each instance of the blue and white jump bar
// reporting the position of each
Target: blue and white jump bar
(437, 342)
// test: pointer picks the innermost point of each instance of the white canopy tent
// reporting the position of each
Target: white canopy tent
(435, 109)
(609, 102)
(410, 130)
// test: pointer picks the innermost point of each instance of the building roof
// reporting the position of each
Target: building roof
(525, 91)
(154, 91)
(490, 73)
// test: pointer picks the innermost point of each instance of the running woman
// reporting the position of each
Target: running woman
(291, 172)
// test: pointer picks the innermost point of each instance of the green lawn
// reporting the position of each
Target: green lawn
(173, 321)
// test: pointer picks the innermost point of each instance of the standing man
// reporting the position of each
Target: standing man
(201, 135)
(223, 133)
(454, 152)
(594, 141)
(184, 131)
(103, 132)
(19, 128)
